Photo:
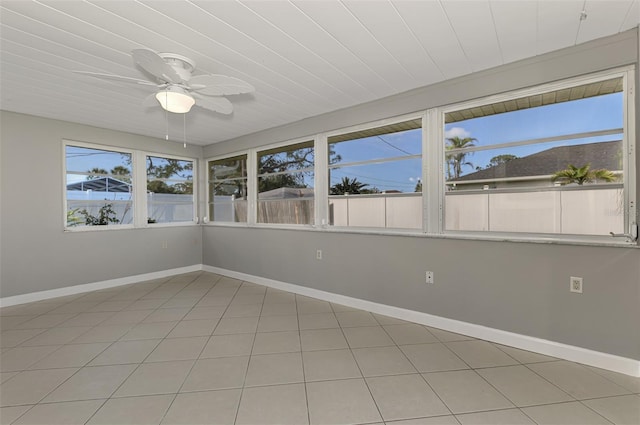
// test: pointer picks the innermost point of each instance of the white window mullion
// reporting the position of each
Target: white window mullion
(252, 187)
(139, 174)
(432, 174)
(202, 200)
(321, 181)
(195, 195)
(426, 198)
(631, 218)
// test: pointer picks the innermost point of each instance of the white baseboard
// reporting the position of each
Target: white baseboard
(555, 349)
(87, 287)
(563, 351)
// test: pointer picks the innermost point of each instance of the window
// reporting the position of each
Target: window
(286, 184)
(228, 189)
(169, 190)
(375, 177)
(551, 162)
(554, 162)
(98, 187)
(104, 189)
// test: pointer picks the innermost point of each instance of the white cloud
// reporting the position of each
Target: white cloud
(456, 132)
(415, 179)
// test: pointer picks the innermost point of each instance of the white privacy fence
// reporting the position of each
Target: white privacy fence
(229, 209)
(595, 210)
(169, 207)
(397, 210)
(122, 208)
(161, 207)
(281, 211)
(580, 211)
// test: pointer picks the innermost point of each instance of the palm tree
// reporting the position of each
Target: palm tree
(96, 173)
(501, 159)
(457, 160)
(122, 172)
(348, 186)
(584, 174)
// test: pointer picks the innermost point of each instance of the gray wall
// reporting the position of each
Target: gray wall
(36, 254)
(514, 286)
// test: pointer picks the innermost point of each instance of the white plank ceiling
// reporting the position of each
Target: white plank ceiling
(304, 57)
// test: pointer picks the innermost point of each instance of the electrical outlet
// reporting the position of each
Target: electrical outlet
(165, 245)
(575, 284)
(319, 254)
(429, 277)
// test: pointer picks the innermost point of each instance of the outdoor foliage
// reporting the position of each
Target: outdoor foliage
(171, 168)
(455, 161)
(72, 218)
(228, 177)
(501, 159)
(348, 186)
(288, 163)
(285, 162)
(122, 173)
(584, 174)
(106, 215)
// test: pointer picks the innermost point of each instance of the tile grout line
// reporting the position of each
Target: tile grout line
(201, 350)
(64, 381)
(110, 397)
(246, 370)
(418, 371)
(364, 379)
(304, 375)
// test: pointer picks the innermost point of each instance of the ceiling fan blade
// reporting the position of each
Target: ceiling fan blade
(216, 104)
(150, 101)
(219, 85)
(155, 65)
(116, 78)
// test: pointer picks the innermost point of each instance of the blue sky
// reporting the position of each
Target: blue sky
(80, 159)
(591, 114)
(595, 113)
(398, 175)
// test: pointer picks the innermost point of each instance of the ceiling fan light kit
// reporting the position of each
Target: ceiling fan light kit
(175, 99)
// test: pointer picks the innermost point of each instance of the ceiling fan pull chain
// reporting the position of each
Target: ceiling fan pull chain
(184, 130)
(166, 119)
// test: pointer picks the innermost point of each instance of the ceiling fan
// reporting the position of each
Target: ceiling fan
(178, 90)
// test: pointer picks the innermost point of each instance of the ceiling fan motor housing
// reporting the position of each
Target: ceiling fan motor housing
(181, 64)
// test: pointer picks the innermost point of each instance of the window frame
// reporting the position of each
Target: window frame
(422, 116)
(208, 201)
(253, 194)
(433, 163)
(138, 184)
(134, 201)
(194, 197)
(628, 148)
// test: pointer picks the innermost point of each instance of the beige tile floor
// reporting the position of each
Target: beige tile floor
(204, 349)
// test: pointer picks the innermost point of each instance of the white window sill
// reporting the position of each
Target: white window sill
(603, 241)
